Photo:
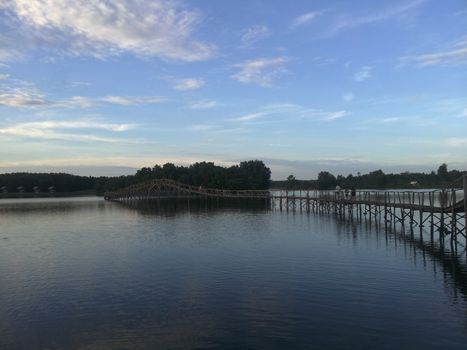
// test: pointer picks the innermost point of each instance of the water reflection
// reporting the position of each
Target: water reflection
(40, 206)
(219, 275)
(173, 207)
(445, 259)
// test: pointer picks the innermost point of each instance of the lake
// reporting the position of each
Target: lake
(82, 273)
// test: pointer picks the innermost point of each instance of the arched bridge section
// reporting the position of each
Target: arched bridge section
(165, 188)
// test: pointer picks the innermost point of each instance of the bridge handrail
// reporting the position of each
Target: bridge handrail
(433, 198)
(150, 184)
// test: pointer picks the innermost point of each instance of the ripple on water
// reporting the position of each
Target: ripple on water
(95, 275)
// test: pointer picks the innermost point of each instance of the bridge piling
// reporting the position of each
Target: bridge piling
(432, 225)
(464, 182)
(453, 216)
(421, 203)
(442, 199)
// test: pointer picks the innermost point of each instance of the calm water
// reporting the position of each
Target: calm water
(88, 274)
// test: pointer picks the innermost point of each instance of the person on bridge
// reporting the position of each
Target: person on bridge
(338, 191)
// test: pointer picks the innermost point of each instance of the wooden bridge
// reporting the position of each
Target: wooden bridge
(166, 188)
(442, 212)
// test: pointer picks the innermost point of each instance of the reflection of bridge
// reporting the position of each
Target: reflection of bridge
(165, 188)
(443, 211)
(451, 264)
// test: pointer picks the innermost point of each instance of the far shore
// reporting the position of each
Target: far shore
(14, 195)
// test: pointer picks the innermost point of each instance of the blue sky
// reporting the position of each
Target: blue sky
(102, 87)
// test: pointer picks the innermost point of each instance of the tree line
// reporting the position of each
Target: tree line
(250, 175)
(377, 180)
(44, 182)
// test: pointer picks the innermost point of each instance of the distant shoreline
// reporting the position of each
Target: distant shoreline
(17, 195)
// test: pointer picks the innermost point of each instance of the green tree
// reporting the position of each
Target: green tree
(291, 182)
(377, 178)
(443, 171)
(255, 174)
(326, 180)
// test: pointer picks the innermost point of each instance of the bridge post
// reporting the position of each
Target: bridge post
(464, 180)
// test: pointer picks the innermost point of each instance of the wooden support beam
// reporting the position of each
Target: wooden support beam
(464, 180)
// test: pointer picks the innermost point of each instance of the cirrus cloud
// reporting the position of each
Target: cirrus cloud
(133, 100)
(454, 54)
(21, 97)
(254, 33)
(261, 71)
(55, 130)
(363, 73)
(188, 84)
(203, 105)
(305, 19)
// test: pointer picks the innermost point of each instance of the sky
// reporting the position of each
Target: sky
(106, 87)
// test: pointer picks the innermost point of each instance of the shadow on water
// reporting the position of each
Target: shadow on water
(174, 207)
(444, 258)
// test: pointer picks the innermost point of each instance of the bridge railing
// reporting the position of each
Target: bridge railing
(167, 187)
(426, 198)
(213, 191)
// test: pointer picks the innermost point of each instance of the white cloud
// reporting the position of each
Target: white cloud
(104, 28)
(288, 112)
(454, 56)
(70, 124)
(335, 115)
(399, 11)
(348, 97)
(261, 71)
(304, 19)
(363, 73)
(8, 53)
(254, 33)
(202, 127)
(4, 76)
(73, 102)
(21, 94)
(188, 84)
(133, 100)
(322, 61)
(390, 120)
(51, 129)
(28, 97)
(456, 141)
(203, 105)
(248, 117)
(21, 97)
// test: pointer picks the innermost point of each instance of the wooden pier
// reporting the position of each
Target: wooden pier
(440, 213)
